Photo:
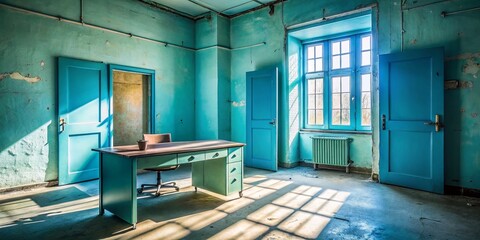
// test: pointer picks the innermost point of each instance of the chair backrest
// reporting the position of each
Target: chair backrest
(157, 138)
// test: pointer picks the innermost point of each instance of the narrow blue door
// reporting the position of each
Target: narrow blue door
(83, 110)
(411, 114)
(261, 148)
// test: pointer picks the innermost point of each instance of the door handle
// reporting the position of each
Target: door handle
(273, 122)
(438, 124)
(62, 124)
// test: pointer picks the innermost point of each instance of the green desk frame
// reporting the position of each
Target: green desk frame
(217, 166)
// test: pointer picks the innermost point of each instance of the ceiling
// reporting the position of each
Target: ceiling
(197, 8)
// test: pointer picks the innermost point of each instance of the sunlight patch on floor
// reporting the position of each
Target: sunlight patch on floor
(243, 229)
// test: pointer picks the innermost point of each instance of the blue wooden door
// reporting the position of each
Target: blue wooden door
(83, 110)
(261, 148)
(411, 112)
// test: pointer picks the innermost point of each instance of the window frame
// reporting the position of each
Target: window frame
(354, 72)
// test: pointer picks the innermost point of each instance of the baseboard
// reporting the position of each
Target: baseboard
(454, 190)
(28, 186)
(287, 165)
(352, 169)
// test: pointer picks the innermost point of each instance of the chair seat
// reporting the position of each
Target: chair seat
(163, 168)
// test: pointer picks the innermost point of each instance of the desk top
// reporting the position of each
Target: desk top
(131, 151)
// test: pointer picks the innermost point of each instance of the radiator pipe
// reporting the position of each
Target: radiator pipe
(81, 11)
(444, 13)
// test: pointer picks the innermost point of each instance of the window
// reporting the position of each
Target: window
(338, 83)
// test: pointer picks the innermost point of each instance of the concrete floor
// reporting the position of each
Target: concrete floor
(297, 203)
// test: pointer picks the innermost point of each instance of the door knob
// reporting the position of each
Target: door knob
(273, 122)
(62, 123)
(438, 124)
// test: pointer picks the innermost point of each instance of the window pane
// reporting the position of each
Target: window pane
(319, 51)
(346, 46)
(366, 45)
(311, 86)
(336, 62)
(346, 117)
(366, 83)
(366, 58)
(336, 117)
(336, 84)
(310, 53)
(311, 101)
(346, 61)
(366, 100)
(319, 117)
(345, 84)
(319, 88)
(366, 118)
(311, 117)
(335, 48)
(319, 64)
(319, 102)
(311, 65)
(345, 100)
(336, 101)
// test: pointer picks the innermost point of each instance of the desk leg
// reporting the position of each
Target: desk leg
(101, 210)
(119, 187)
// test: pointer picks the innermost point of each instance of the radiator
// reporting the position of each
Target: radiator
(331, 151)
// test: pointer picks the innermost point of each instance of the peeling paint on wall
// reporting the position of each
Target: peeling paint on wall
(19, 76)
(239, 104)
(471, 67)
(463, 56)
(456, 84)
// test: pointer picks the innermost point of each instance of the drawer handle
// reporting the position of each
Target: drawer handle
(234, 180)
(215, 155)
(191, 158)
(234, 155)
(233, 170)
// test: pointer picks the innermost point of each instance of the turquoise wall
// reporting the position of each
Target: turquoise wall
(186, 79)
(212, 78)
(258, 27)
(30, 44)
(423, 27)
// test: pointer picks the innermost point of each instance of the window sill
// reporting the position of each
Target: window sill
(335, 131)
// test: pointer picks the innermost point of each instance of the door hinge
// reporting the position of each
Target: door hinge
(384, 122)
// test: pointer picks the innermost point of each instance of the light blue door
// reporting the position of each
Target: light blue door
(411, 112)
(261, 148)
(83, 110)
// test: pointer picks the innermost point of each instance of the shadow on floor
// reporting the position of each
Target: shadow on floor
(290, 204)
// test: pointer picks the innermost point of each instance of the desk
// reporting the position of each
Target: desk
(216, 166)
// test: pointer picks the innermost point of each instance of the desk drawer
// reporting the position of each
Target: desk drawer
(157, 161)
(214, 154)
(191, 157)
(235, 169)
(235, 154)
(234, 184)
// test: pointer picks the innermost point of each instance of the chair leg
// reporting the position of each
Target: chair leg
(158, 185)
(164, 185)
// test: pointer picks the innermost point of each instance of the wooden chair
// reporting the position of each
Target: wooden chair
(159, 138)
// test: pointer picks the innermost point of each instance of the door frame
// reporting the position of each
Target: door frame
(151, 98)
